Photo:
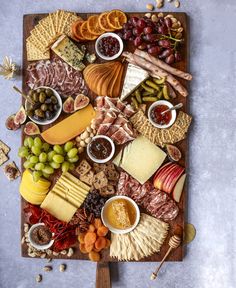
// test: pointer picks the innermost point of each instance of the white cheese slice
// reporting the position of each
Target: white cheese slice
(133, 78)
(140, 159)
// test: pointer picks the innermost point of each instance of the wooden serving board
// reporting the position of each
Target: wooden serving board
(29, 22)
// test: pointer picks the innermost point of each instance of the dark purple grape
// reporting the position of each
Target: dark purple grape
(127, 35)
(138, 41)
(154, 50)
(152, 37)
(121, 34)
(141, 23)
(168, 22)
(170, 59)
(143, 46)
(164, 43)
(134, 21)
(178, 56)
(162, 30)
(161, 20)
(127, 26)
(137, 31)
(151, 45)
(148, 30)
(165, 53)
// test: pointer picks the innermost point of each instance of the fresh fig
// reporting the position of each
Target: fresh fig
(173, 152)
(20, 116)
(31, 128)
(68, 105)
(10, 123)
(81, 101)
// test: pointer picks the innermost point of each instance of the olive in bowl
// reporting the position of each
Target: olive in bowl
(47, 105)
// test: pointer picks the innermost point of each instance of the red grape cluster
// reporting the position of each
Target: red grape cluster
(154, 37)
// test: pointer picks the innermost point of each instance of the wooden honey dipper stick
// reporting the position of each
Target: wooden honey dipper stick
(174, 243)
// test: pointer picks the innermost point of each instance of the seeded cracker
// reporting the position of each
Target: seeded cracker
(87, 178)
(3, 157)
(33, 54)
(70, 21)
(83, 168)
(100, 180)
(11, 171)
(4, 147)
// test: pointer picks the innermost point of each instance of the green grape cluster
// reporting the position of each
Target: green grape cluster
(43, 158)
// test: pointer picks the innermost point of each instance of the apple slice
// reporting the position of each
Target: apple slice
(169, 177)
(161, 174)
(173, 179)
(179, 188)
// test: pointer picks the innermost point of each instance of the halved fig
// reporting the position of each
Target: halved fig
(81, 101)
(173, 152)
(68, 105)
(20, 116)
(10, 123)
(31, 128)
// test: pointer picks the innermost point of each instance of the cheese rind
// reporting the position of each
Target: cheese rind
(70, 127)
(141, 159)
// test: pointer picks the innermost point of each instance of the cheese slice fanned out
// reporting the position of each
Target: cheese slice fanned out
(134, 77)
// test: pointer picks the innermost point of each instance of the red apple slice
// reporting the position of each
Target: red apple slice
(162, 174)
(173, 180)
(177, 192)
(170, 175)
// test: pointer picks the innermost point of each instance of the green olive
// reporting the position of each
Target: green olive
(54, 99)
(44, 107)
(30, 113)
(31, 92)
(39, 113)
(35, 97)
(42, 97)
(38, 90)
(49, 92)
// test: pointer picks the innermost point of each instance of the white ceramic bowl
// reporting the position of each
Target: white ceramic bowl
(39, 247)
(106, 159)
(46, 122)
(173, 114)
(107, 35)
(111, 228)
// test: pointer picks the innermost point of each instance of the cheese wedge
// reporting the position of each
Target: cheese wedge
(141, 158)
(70, 127)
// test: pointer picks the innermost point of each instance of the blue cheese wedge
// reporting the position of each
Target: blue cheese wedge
(141, 158)
(69, 52)
(133, 78)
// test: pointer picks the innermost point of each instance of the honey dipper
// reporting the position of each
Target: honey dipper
(174, 243)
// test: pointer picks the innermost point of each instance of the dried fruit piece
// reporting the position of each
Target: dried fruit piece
(20, 116)
(85, 33)
(82, 248)
(94, 256)
(103, 23)
(173, 152)
(93, 25)
(89, 247)
(102, 231)
(189, 233)
(81, 238)
(90, 238)
(116, 19)
(76, 30)
(10, 123)
(31, 128)
(100, 243)
(68, 105)
(97, 223)
(80, 102)
(91, 228)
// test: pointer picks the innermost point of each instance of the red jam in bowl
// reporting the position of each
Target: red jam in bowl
(109, 46)
(158, 118)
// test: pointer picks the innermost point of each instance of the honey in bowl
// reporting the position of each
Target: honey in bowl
(120, 213)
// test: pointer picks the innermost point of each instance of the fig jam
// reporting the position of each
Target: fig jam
(158, 118)
(109, 46)
(100, 148)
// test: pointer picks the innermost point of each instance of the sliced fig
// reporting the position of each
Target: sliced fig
(173, 152)
(68, 105)
(10, 123)
(20, 116)
(31, 128)
(81, 101)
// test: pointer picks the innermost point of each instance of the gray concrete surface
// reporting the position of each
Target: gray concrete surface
(210, 259)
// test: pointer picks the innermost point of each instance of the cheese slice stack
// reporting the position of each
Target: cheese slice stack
(141, 158)
(66, 197)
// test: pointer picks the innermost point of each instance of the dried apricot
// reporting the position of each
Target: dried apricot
(82, 248)
(96, 250)
(100, 243)
(81, 238)
(91, 228)
(90, 238)
(102, 231)
(97, 223)
(89, 248)
(94, 256)
(108, 243)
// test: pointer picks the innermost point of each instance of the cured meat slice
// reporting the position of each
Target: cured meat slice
(121, 136)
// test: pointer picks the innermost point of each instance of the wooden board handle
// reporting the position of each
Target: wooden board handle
(103, 275)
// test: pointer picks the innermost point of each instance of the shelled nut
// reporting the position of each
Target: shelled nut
(149, 7)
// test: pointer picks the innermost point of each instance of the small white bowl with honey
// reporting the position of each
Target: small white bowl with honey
(120, 214)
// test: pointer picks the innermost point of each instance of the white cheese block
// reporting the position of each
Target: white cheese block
(140, 159)
(69, 52)
(133, 78)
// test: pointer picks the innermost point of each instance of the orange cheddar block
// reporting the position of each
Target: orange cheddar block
(70, 127)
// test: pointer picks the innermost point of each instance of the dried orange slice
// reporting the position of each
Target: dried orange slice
(85, 33)
(116, 18)
(93, 25)
(76, 30)
(102, 20)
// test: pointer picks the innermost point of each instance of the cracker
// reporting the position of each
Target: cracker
(100, 180)
(3, 157)
(83, 168)
(87, 178)
(45, 24)
(67, 15)
(48, 39)
(51, 17)
(107, 191)
(112, 175)
(57, 19)
(33, 54)
(40, 37)
(4, 147)
(11, 171)
(32, 39)
(70, 21)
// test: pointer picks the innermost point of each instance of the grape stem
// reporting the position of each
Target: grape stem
(174, 39)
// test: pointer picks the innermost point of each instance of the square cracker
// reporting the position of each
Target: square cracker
(4, 147)
(83, 168)
(107, 191)
(52, 25)
(87, 178)
(11, 171)
(45, 24)
(70, 21)
(34, 41)
(100, 180)
(33, 54)
(48, 39)
(3, 157)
